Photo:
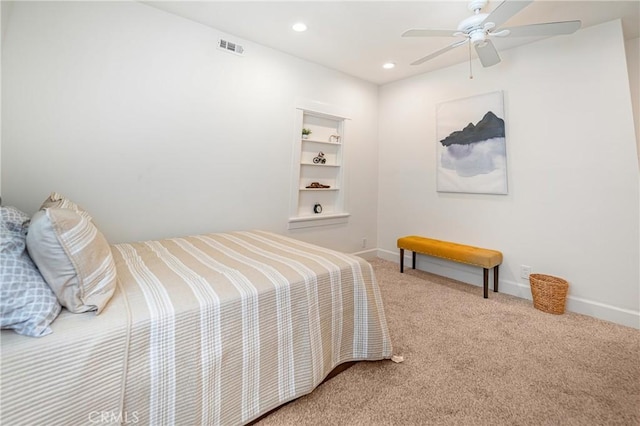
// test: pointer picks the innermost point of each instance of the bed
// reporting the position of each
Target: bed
(209, 329)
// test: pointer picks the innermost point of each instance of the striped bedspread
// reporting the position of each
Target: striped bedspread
(202, 330)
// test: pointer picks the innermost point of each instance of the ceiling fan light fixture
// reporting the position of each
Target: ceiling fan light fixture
(389, 65)
(478, 38)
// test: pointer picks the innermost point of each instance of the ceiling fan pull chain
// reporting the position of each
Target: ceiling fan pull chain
(470, 70)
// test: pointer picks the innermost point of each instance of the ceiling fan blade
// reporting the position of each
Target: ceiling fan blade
(428, 33)
(546, 29)
(439, 52)
(506, 10)
(488, 54)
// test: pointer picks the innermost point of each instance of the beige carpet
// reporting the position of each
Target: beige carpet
(475, 361)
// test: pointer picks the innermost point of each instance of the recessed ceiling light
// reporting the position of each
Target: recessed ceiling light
(389, 65)
(299, 27)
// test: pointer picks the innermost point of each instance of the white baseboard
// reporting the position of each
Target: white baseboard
(473, 276)
(369, 254)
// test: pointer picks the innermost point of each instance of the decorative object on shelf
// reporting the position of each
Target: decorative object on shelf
(472, 158)
(320, 158)
(317, 185)
(317, 208)
(306, 133)
(334, 138)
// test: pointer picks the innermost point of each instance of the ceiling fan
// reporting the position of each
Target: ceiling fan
(479, 28)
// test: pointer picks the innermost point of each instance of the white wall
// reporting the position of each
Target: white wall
(137, 116)
(632, 48)
(5, 12)
(572, 208)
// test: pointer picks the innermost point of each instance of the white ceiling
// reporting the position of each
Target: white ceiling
(357, 37)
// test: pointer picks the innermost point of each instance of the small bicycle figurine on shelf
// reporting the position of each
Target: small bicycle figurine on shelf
(320, 158)
(334, 138)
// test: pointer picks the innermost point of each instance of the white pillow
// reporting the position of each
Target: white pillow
(73, 257)
(27, 304)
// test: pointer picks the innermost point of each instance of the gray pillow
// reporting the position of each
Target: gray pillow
(74, 258)
(27, 303)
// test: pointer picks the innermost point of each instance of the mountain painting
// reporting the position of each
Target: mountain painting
(471, 147)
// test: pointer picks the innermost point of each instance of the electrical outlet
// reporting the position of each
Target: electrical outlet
(525, 271)
(364, 243)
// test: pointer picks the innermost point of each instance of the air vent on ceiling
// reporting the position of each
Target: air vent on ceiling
(230, 47)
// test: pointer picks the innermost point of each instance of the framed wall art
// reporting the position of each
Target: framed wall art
(471, 145)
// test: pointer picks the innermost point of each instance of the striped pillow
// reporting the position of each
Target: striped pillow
(73, 257)
(60, 201)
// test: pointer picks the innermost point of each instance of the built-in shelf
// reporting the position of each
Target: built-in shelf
(319, 141)
(318, 165)
(317, 220)
(318, 158)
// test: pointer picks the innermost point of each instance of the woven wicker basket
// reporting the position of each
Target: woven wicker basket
(549, 293)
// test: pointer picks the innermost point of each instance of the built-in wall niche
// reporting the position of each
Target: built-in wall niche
(318, 197)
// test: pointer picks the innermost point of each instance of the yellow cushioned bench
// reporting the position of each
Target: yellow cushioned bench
(484, 258)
